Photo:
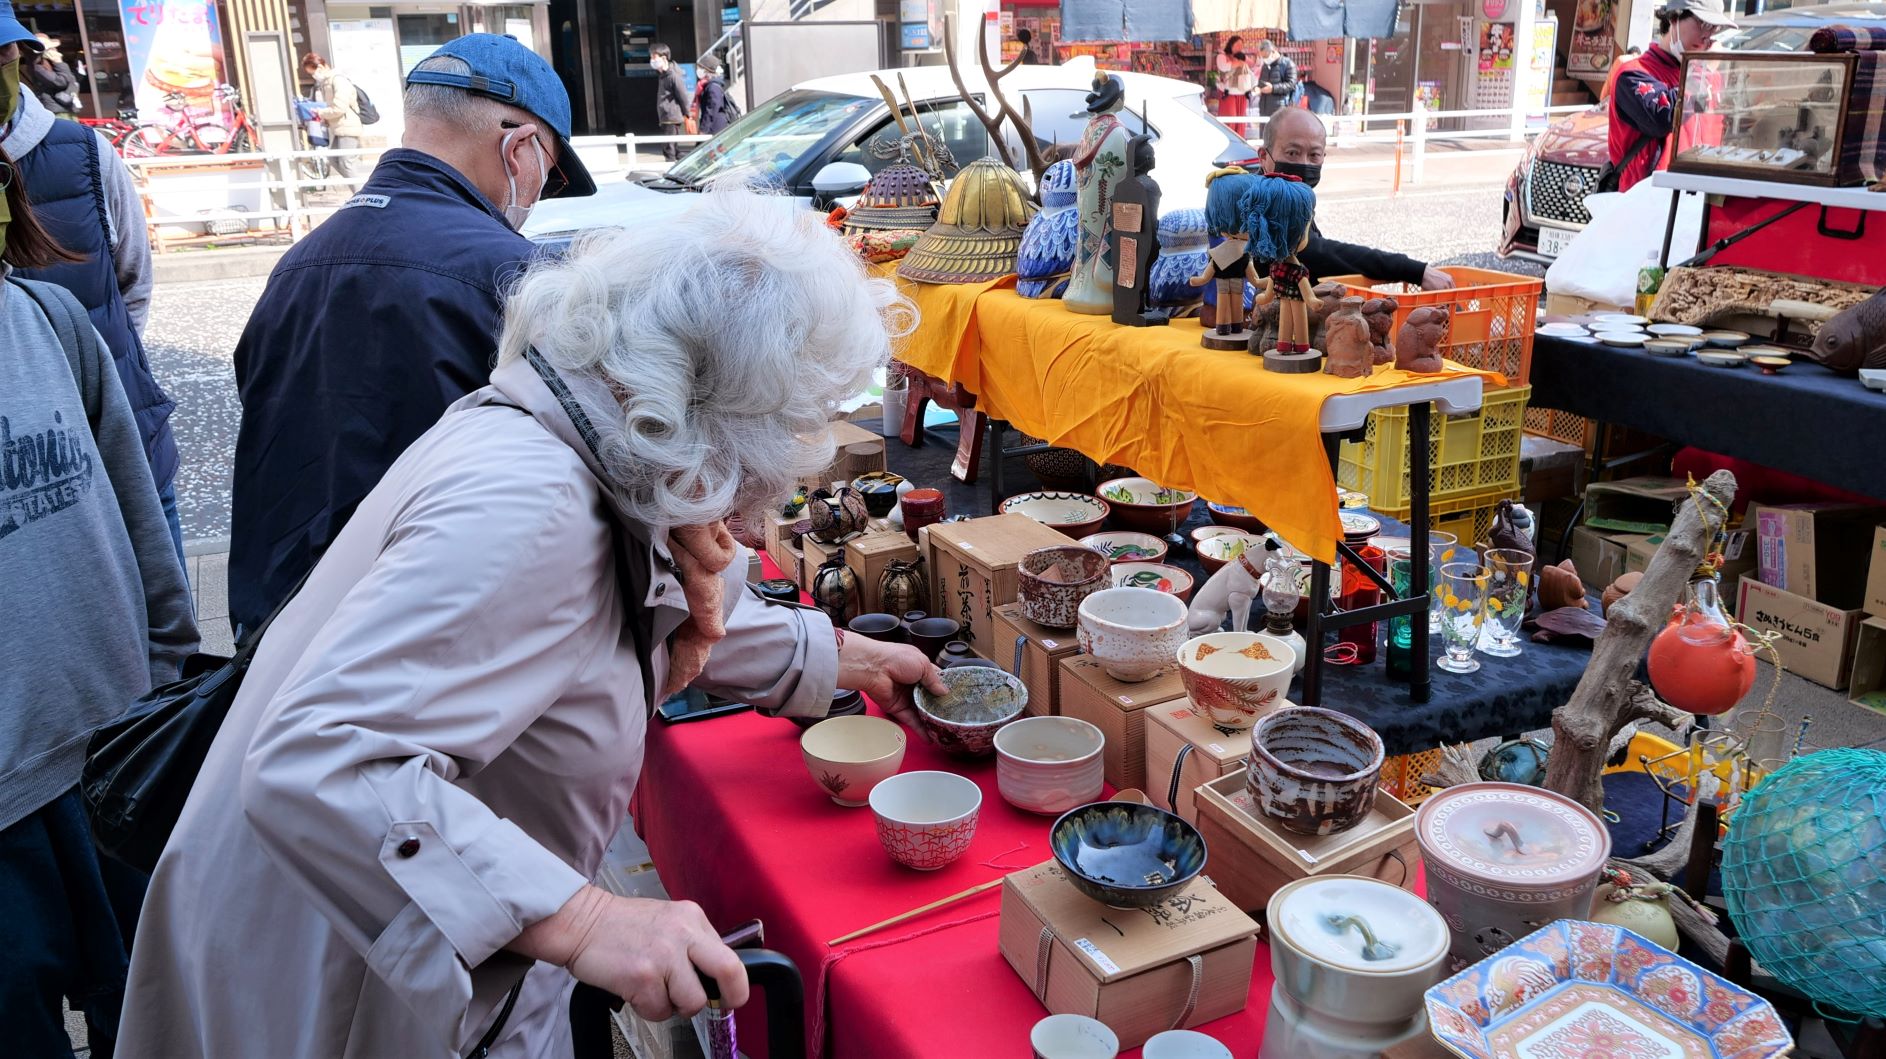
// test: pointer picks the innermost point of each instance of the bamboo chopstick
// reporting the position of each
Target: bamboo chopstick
(915, 912)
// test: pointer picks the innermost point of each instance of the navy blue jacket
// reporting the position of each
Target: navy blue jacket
(371, 326)
(67, 190)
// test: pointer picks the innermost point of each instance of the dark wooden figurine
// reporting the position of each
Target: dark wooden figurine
(1134, 239)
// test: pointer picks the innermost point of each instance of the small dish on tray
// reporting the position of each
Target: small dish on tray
(1674, 330)
(1575, 985)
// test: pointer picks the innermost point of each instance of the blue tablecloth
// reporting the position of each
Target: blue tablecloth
(1805, 420)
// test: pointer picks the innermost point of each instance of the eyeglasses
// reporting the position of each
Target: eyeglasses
(557, 182)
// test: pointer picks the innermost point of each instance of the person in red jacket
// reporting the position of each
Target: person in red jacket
(1643, 102)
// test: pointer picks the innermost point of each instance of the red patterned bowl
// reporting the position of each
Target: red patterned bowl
(926, 819)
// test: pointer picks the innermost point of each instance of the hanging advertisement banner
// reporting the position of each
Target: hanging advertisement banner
(175, 49)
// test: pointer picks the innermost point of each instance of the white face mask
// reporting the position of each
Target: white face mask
(514, 214)
(1676, 42)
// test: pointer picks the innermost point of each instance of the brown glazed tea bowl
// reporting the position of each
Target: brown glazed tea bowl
(1314, 771)
(1053, 581)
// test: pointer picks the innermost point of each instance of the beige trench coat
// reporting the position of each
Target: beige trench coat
(436, 741)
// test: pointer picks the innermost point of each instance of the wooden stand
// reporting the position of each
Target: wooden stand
(1238, 340)
(1293, 363)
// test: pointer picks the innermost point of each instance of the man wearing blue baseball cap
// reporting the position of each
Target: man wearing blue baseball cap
(388, 312)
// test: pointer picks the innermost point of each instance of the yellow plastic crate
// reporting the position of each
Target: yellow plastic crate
(1473, 455)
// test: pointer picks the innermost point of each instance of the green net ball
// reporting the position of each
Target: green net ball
(1804, 872)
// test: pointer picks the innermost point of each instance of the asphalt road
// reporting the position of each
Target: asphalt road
(194, 327)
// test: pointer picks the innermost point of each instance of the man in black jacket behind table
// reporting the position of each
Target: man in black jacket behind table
(1294, 143)
(671, 100)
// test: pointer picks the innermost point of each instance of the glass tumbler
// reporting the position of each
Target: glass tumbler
(1507, 592)
(1443, 548)
(1462, 589)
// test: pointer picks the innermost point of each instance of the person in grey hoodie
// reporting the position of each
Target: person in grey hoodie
(97, 614)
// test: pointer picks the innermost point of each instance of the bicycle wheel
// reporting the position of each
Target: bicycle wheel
(141, 141)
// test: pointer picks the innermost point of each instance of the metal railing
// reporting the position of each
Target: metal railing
(295, 190)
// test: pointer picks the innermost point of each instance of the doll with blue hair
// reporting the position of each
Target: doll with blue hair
(1278, 212)
(1228, 263)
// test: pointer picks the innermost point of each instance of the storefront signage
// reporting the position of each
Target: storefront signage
(1594, 40)
(174, 47)
(1493, 9)
(919, 33)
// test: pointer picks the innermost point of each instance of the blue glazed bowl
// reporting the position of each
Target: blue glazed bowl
(1126, 855)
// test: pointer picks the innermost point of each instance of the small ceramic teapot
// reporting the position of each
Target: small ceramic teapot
(1700, 662)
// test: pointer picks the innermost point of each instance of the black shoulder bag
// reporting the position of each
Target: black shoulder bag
(1609, 176)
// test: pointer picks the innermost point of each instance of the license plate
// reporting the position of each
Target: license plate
(1554, 241)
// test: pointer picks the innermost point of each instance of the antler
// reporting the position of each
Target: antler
(994, 125)
(1024, 125)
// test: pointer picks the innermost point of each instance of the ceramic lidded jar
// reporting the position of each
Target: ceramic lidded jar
(1355, 953)
(1504, 860)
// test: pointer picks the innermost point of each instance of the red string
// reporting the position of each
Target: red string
(991, 862)
(1342, 654)
(832, 957)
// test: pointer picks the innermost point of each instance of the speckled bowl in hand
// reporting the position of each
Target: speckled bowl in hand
(980, 701)
(1125, 855)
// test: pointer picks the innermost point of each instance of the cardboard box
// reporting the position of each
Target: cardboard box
(1875, 602)
(1869, 666)
(1253, 857)
(1819, 551)
(1574, 305)
(1169, 730)
(1816, 640)
(1132, 969)
(1034, 653)
(1738, 557)
(973, 568)
(782, 549)
(1634, 505)
(1119, 710)
(1601, 557)
(843, 467)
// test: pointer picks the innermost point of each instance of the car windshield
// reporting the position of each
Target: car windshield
(772, 137)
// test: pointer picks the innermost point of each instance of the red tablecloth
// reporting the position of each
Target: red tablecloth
(735, 823)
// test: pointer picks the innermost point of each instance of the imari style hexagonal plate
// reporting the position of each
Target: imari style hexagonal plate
(1591, 991)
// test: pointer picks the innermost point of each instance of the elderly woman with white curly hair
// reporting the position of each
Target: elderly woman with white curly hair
(387, 852)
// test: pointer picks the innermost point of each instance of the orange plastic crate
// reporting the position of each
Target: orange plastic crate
(1492, 320)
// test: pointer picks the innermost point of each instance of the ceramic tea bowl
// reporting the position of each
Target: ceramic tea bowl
(879, 490)
(1124, 547)
(980, 701)
(1053, 581)
(1235, 517)
(885, 627)
(1161, 577)
(848, 756)
(1125, 855)
(930, 634)
(1314, 771)
(1132, 632)
(1215, 552)
(1075, 514)
(926, 819)
(1049, 765)
(1145, 506)
(845, 703)
(1236, 677)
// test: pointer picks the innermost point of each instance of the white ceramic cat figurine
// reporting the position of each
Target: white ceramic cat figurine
(1227, 592)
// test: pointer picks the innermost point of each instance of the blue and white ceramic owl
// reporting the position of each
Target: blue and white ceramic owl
(1183, 243)
(1047, 252)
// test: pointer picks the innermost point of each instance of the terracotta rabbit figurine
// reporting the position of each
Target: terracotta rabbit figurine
(1418, 346)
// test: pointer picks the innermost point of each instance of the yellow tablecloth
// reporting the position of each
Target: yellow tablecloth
(1150, 398)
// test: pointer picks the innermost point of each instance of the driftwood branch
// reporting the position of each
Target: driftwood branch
(1607, 696)
(1024, 126)
(994, 125)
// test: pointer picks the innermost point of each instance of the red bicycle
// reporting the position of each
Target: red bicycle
(181, 131)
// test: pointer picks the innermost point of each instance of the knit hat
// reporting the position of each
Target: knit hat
(978, 230)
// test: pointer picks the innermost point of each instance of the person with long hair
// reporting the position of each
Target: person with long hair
(98, 613)
(1235, 82)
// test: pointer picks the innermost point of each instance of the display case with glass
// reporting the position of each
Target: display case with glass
(1764, 116)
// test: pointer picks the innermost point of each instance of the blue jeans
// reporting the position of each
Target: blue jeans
(168, 496)
(69, 917)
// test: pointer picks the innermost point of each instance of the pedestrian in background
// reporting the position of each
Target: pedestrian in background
(1276, 79)
(711, 105)
(388, 312)
(340, 110)
(1234, 83)
(97, 614)
(671, 100)
(52, 80)
(1026, 38)
(86, 197)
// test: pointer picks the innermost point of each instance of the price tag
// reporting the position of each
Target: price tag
(1216, 748)
(1127, 699)
(1051, 644)
(1100, 958)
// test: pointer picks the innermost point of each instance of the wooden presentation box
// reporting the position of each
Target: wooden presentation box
(867, 554)
(1118, 709)
(1252, 857)
(1130, 968)
(1169, 730)
(1032, 652)
(974, 567)
(782, 549)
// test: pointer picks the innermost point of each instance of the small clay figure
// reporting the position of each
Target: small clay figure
(1346, 341)
(1418, 346)
(1278, 214)
(1380, 313)
(1134, 239)
(1229, 263)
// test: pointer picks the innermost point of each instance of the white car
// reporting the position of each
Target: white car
(819, 132)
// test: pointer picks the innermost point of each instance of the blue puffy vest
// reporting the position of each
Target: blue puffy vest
(67, 189)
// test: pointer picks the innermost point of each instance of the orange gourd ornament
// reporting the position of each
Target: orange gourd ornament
(1700, 662)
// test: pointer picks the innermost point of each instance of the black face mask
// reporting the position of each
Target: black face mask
(1308, 172)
